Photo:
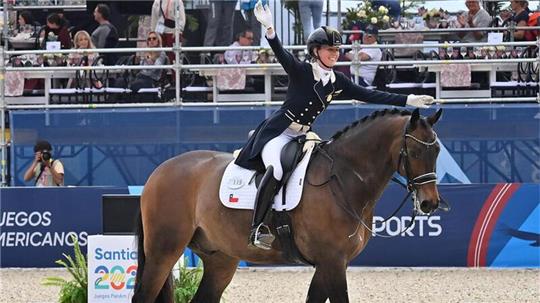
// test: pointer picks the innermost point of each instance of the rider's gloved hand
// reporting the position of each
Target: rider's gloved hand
(264, 15)
(422, 101)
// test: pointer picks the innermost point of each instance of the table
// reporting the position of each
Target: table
(267, 72)
(492, 68)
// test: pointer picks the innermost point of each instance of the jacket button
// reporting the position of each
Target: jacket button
(301, 114)
(313, 117)
(310, 102)
(306, 109)
(318, 112)
(309, 123)
(298, 121)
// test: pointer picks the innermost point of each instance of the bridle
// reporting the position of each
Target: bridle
(411, 184)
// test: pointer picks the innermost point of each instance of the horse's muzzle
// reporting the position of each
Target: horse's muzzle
(428, 206)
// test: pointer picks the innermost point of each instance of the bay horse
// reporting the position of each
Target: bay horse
(346, 176)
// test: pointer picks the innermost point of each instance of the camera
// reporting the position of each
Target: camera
(45, 155)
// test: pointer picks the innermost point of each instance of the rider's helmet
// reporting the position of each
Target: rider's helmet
(324, 35)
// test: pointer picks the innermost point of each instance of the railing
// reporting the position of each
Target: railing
(177, 67)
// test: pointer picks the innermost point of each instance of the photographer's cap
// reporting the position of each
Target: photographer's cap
(372, 30)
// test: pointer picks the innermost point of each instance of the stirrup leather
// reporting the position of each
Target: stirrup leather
(263, 240)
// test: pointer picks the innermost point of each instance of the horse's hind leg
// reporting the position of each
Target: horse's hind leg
(219, 270)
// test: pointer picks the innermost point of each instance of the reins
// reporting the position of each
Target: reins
(411, 183)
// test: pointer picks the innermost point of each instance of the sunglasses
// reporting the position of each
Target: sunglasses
(151, 38)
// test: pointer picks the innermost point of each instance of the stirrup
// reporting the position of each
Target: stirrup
(263, 240)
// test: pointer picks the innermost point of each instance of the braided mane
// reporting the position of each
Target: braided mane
(373, 116)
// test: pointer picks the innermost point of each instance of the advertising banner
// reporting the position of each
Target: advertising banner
(37, 224)
(112, 267)
(488, 225)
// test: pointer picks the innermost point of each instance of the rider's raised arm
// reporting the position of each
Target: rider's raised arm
(289, 62)
(357, 92)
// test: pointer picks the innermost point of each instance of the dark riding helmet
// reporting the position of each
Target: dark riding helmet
(324, 35)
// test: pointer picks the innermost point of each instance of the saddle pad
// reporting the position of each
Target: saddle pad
(237, 188)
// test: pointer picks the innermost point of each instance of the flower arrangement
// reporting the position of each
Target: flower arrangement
(433, 14)
(359, 17)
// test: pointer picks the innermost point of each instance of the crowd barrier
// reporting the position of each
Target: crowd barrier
(481, 143)
(494, 225)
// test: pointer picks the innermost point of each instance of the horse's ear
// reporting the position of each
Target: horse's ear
(415, 116)
(435, 117)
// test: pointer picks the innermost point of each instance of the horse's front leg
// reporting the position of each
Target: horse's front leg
(329, 281)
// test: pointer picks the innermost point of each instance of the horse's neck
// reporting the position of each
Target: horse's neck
(369, 154)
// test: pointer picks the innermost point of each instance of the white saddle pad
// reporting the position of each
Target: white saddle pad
(237, 188)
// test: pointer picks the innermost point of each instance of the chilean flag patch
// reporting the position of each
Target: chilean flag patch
(232, 199)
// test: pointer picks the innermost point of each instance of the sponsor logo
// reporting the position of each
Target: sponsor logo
(422, 226)
(235, 182)
(117, 277)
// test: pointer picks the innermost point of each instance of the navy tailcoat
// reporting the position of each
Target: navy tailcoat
(306, 99)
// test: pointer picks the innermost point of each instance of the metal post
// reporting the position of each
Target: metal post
(355, 62)
(177, 49)
(538, 66)
(3, 143)
(339, 16)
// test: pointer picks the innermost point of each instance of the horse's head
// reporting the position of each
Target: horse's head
(417, 160)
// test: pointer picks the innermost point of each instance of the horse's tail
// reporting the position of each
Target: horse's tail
(166, 293)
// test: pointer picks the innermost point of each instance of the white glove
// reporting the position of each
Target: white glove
(422, 101)
(263, 14)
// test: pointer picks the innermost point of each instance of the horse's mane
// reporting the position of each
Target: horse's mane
(373, 116)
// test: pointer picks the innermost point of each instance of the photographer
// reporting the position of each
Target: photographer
(44, 170)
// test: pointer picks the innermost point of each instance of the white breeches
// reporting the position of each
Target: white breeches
(271, 153)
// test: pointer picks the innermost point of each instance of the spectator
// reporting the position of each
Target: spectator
(220, 20)
(521, 18)
(238, 56)
(163, 22)
(310, 9)
(366, 73)
(26, 22)
(475, 17)
(248, 7)
(456, 53)
(106, 34)
(82, 40)
(45, 170)
(148, 77)
(56, 30)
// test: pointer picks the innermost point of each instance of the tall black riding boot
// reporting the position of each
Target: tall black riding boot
(260, 233)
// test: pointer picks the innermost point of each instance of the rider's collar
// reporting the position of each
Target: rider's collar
(318, 70)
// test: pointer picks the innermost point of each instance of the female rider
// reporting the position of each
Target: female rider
(312, 86)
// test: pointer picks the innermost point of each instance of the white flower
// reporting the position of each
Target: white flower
(373, 20)
(361, 14)
(386, 18)
(383, 9)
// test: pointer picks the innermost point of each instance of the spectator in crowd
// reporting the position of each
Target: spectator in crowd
(163, 22)
(220, 21)
(310, 9)
(470, 53)
(366, 73)
(45, 171)
(82, 40)
(56, 30)
(239, 56)
(475, 17)
(248, 6)
(26, 22)
(148, 77)
(456, 53)
(106, 34)
(521, 18)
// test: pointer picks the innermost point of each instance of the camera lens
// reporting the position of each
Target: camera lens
(46, 155)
